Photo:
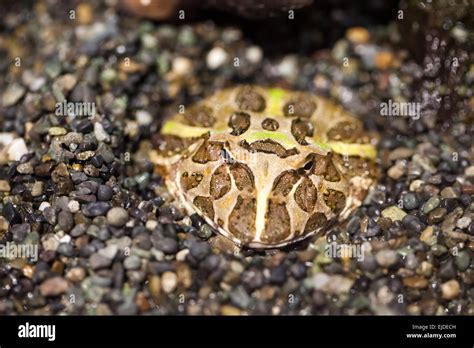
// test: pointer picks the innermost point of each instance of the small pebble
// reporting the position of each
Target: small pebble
(386, 258)
(410, 201)
(394, 213)
(54, 287)
(430, 205)
(216, 58)
(169, 281)
(450, 290)
(117, 217)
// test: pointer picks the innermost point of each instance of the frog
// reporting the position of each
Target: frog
(267, 167)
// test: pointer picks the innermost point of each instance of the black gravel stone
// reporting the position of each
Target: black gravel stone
(447, 270)
(353, 225)
(253, 279)
(78, 230)
(412, 223)
(65, 249)
(449, 204)
(278, 275)
(167, 245)
(20, 232)
(298, 270)
(199, 250)
(96, 209)
(410, 201)
(65, 220)
(211, 262)
(11, 213)
(104, 193)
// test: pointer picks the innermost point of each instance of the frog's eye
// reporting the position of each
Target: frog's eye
(226, 156)
(306, 168)
(308, 165)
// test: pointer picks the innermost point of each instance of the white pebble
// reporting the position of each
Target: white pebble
(182, 66)
(216, 58)
(43, 206)
(100, 133)
(254, 54)
(16, 149)
(73, 206)
(151, 224)
(143, 117)
(169, 281)
(288, 67)
(464, 222)
(181, 255)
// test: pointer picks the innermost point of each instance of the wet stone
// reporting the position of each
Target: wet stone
(98, 261)
(386, 258)
(430, 205)
(65, 221)
(447, 270)
(413, 223)
(436, 215)
(132, 262)
(11, 213)
(54, 287)
(167, 245)
(117, 216)
(463, 222)
(410, 201)
(20, 232)
(96, 209)
(104, 193)
(199, 250)
(450, 290)
(65, 249)
(463, 260)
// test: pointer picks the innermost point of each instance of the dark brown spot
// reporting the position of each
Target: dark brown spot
(220, 182)
(243, 177)
(239, 122)
(200, 116)
(302, 106)
(242, 219)
(323, 165)
(248, 99)
(220, 222)
(270, 124)
(167, 144)
(335, 200)
(209, 151)
(284, 183)
(268, 146)
(305, 195)
(189, 182)
(278, 226)
(344, 131)
(204, 204)
(301, 129)
(315, 222)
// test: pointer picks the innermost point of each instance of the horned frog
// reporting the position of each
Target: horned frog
(266, 167)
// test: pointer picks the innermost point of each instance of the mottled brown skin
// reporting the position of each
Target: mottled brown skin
(267, 167)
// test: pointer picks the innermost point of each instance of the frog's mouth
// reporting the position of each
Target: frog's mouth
(346, 149)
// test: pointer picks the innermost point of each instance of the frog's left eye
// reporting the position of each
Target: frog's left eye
(306, 168)
(308, 165)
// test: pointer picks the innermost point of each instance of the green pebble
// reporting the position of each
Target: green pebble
(439, 250)
(463, 260)
(431, 204)
(205, 231)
